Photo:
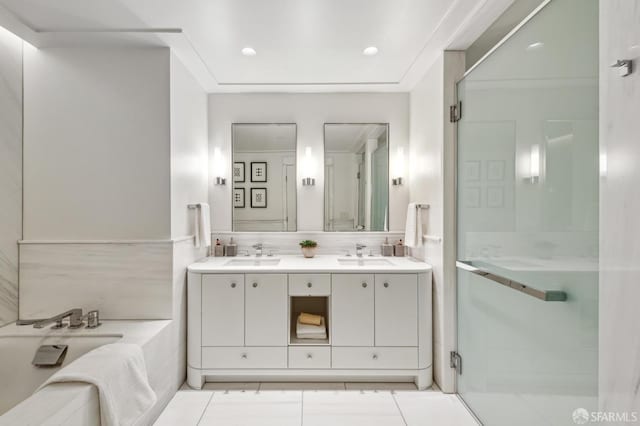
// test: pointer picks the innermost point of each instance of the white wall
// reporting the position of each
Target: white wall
(309, 112)
(432, 169)
(619, 364)
(96, 137)
(189, 148)
(10, 172)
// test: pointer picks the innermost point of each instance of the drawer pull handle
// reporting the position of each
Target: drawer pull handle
(255, 285)
(309, 356)
(364, 285)
(233, 285)
(309, 285)
(375, 356)
(386, 285)
(243, 356)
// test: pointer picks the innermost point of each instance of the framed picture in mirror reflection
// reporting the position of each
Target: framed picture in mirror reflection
(238, 198)
(258, 171)
(258, 198)
(238, 171)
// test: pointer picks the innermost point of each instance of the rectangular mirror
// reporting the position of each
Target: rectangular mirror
(356, 177)
(264, 177)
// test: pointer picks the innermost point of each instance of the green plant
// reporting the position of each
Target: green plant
(308, 243)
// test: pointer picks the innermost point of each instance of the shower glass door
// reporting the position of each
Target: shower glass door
(527, 227)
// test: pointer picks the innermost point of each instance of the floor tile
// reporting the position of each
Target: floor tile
(185, 409)
(231, 386)
(433, 408)
(277, 408)
(302, 386)
(350, 408)
(381, 386)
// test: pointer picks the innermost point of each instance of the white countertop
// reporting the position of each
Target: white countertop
(318, 264)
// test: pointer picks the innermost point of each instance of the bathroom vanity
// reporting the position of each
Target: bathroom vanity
(242, 315)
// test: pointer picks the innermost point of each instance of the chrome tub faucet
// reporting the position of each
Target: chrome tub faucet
(76, 320)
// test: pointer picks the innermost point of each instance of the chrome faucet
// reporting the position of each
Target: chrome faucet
(75, 320)
(359, 248)
(258, 248)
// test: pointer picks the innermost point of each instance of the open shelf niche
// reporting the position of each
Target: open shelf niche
(318, 305)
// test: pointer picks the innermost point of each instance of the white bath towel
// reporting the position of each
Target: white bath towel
(118, 371)
(309, 331)
(413, 228)
(203, 225)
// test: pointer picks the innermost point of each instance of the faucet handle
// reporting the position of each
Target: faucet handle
(93, 319)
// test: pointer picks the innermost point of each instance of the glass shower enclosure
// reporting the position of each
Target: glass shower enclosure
(527, 222)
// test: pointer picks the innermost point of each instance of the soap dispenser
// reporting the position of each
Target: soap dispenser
(399, 249)
(386, 249)
(218, 249)
(231, 249)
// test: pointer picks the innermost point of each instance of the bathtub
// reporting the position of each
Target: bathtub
(72, 403)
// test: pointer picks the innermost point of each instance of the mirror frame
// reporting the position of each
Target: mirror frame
(324, 160)
(295, 150)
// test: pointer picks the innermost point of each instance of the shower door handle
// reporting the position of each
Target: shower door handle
(544, 295)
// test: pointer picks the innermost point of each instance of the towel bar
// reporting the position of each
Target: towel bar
(432, 238)
(544, 295)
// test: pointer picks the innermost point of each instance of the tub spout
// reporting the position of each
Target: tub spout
(75, 319)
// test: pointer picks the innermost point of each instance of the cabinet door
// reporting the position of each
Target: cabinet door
(352, 309)
(266, 310)
(222, 310)
(396, 310)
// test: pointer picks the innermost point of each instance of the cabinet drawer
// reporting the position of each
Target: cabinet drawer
(309, 357)
(386, 358)
(309, 284)
(243, 357)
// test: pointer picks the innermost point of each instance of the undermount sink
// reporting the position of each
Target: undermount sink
(363, 262)
(252, 262)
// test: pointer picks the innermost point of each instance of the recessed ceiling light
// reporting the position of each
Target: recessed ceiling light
(249, 51)
(536, 45)
(370, 51)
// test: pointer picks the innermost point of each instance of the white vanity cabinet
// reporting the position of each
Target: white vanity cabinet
(265, 310)
(352, 309)
(242, 322)
(396, 310)
(223, 318)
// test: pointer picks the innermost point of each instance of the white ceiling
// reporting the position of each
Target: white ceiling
(302, 45)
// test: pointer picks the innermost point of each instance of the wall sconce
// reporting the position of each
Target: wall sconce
(219, 167)
(603, 164)
(398, 167)
(535, 164)
(309, 166)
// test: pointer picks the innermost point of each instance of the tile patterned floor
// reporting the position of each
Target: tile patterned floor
(311, 404)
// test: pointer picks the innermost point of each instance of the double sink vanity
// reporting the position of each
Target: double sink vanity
(242, 319)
